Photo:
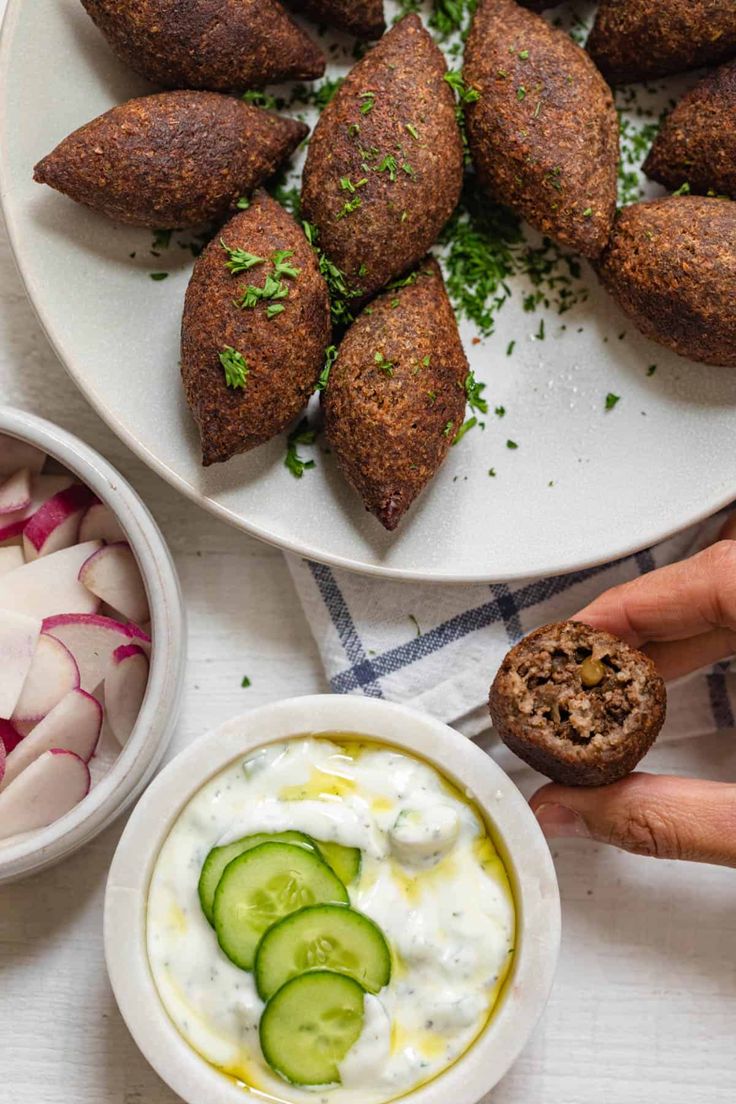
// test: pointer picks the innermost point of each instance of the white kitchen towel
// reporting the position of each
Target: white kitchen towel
(437, 648)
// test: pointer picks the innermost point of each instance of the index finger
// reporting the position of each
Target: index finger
(672, 603)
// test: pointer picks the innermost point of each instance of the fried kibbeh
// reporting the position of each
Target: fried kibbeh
(671, 266)
(578, 704)
(543, 132)
(213, 44)
(696, 144)
(396, 394)
(362, 18)
(636, 40)
(255, 326)
(385, 163)
(170, 159)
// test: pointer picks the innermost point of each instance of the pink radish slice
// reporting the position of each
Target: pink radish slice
(10, 558)
(99, 523)
(43, 487)
(73, 724)
(53, 674)
(9, 735)
(19, 635)
(15, 492)
(50, 585)
(125, 687)
(55, 525)
(45, 791)
(112, 574)
(15, 454)
(92, 641)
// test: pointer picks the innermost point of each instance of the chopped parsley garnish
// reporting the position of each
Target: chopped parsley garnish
(368, 100)
(335, 278)
(520, 92)
(500, 411)
(246, 682)
(467, 425)
(510, 348)
(492, 472)
(273, 309)
(243, 203)
(448, 429)
(158, 275)
(330, 358)
(651, 369)
(235, 366)
(262, 99)
(415, 623)
(474, 392)
(388, 165)
(348, 207)
(281, 267)
(611, 400)
(413, 131)
(302, 435)
(385, 366)
(511, 445)
(684, 189)
(347, 185)
(240, 260)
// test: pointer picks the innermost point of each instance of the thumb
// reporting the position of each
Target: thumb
(649, 814)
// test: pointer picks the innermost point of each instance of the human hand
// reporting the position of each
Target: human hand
(684, 617)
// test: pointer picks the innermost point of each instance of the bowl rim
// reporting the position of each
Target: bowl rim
(526, 855)
(141, 755)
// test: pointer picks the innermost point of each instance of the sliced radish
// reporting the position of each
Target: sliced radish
(55, 525)
(9, 735)
(92, 640)
(19, 635)
(73, 724)
(50, 585)
(53, 674)
(43, 487)
(45, 791)
(15, 492)
(10, 558)
(15, 454)
(99, 523)
(112, 574)
(125, 686)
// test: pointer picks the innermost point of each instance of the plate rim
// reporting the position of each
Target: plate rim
(231, 517)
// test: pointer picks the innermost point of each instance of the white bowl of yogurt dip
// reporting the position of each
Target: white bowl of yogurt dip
(332, 900)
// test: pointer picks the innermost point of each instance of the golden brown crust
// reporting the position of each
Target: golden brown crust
(635, 40)
(171, 159)
(544, 133)
(391, 422)
(362, 18)
(576, 730)
(412, 184)
(671, 265)
(696, 144)
(284, 354)
(214, 44)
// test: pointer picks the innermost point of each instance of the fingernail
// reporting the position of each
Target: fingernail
(557, 821)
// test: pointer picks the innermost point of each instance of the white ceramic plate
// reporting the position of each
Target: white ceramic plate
(582, 487)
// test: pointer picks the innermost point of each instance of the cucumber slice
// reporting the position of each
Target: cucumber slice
(309, 1025)
(219, 857)
(345, 861)
(263, 885)
(322, 937)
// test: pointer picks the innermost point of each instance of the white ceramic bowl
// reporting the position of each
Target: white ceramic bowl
(517, 834)
(135, 764)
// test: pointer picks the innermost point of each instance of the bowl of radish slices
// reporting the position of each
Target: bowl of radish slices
(92, 644)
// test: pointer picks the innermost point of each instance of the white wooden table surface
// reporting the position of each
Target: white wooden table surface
(644, 1008)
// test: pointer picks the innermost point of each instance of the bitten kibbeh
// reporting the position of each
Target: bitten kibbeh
(255, 326)
(671, 265)
(396, 394)
(213, 44)
(636, 40)
(696, 144)
(543, 132)
(578, 704)
(385, 162)
(362, 18)
(171, 159)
